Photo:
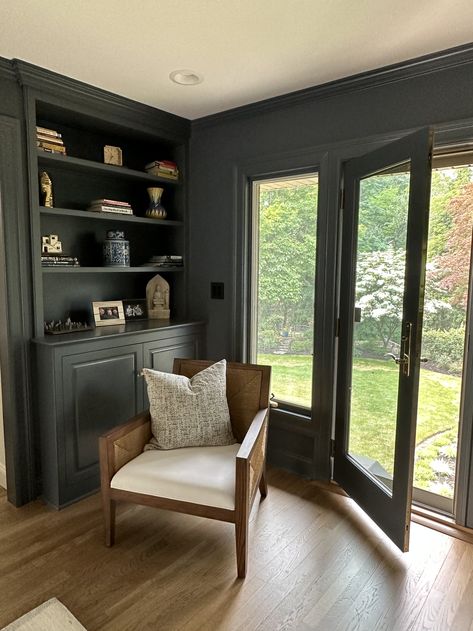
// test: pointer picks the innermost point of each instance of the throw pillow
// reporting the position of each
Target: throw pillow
(189, 412)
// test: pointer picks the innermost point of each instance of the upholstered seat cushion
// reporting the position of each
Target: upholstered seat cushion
(201, 475)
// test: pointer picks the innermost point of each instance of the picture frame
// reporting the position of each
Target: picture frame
(108, 313)
(135, 309)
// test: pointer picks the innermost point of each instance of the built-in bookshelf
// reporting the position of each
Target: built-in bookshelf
(81, 176)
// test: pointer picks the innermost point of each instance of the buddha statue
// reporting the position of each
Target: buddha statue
(157, 298)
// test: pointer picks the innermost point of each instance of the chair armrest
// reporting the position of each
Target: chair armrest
(122, 444)
(251, 457)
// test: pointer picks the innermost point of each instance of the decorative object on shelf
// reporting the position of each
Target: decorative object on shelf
(46, 187)
(113, 155)
(155, 209)
(108, 313)
(166, 260)
(135, 309)
(60, 260)
(157, 298)
(68, 326)
(163, 168)
(50, 141)
(110, 206)
(50, 244)
(116, 249)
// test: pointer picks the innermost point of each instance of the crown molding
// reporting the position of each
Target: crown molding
(45, 81)
(394, 73)
(6, 69)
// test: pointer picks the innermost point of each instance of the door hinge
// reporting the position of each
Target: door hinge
(332, 448)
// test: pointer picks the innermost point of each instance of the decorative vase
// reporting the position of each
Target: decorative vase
(116, 249)
(155, 209)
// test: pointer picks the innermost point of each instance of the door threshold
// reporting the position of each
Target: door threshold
(441, 523)
(419, 514)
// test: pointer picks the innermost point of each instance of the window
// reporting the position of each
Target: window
(283, 283)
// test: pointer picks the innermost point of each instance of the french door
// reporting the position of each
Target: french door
(384, 245)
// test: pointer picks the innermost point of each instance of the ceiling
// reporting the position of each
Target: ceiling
(246, 50)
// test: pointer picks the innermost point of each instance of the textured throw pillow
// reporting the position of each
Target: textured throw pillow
(189, 412)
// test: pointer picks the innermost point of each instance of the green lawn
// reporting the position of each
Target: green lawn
(374, 397)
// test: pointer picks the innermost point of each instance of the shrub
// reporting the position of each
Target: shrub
(444, 349)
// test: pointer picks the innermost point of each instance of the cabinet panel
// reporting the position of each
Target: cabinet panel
(100, 392)
(160, 355)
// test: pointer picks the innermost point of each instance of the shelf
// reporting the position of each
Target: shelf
(78, 164)
(88, 214)
(109, 270)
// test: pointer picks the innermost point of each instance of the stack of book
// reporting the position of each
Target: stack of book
(167, 260)
(59, 260)
(50, 140)
(110, 206)
(163, 168)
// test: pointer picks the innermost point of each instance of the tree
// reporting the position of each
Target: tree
(287, 237)
(455, 261)
(380, 295)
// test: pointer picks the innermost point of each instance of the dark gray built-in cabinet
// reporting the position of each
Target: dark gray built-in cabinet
(86, 382)
(90, 384)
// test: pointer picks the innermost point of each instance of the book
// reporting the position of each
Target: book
(164, 163)
(51, 146)
(111, 209)
(51, 139)
(109, 202)
(164, 174)
(48, 132)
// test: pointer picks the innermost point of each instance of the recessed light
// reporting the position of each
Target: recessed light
(186, 77)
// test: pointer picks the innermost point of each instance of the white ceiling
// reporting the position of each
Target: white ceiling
(247, 50)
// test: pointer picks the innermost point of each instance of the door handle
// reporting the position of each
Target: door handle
(404, 359)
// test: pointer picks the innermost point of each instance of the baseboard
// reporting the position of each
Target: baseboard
(3, 476)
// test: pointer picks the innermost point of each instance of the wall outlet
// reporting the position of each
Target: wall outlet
(217, 291)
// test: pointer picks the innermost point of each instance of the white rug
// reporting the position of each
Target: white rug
(50, 616)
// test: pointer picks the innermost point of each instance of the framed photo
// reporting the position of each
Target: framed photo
(135, 309)
(108, 313)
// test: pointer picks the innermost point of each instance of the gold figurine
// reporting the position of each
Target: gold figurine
(46, 190)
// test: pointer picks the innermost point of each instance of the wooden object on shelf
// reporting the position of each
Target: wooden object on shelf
(113, 155)
(46, 189)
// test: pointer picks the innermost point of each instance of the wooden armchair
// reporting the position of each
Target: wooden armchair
(227, 478)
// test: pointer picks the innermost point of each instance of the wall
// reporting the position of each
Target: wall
(341, 116)
(221, 143)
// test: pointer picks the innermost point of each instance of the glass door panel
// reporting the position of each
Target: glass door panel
(384, 243)
(443, 337)
(377, 336)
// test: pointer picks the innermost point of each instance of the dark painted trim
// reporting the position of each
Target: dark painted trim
(45, 82)
(419, 66)
(15, 317)
(6, 69)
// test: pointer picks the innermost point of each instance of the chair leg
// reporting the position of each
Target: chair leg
(263, 485)
(241, 533)
(109, 519)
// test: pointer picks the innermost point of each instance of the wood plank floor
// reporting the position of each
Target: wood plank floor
(316, 562)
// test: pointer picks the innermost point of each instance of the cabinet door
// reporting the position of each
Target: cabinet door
(101, 390)
(160, 355)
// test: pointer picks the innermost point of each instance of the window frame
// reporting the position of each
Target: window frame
(302, 411)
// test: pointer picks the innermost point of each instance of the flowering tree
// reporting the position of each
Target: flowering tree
(380, 294)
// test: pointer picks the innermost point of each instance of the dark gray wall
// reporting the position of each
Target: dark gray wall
(219, 144)
(343, 119)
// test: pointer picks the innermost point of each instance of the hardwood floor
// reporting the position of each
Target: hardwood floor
(316, 562)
